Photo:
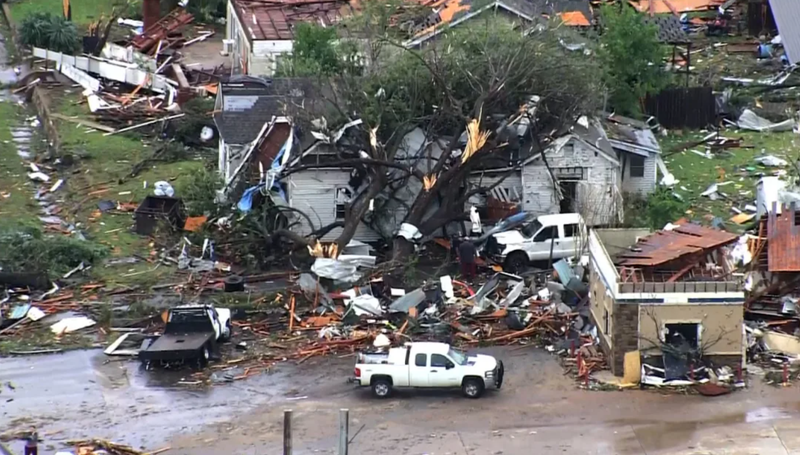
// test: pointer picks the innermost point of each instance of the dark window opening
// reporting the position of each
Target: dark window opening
(440, 361)
(342, 198)
(421, 360)
(605, 321)
(546, 234)
(637, 166)
(683, 335)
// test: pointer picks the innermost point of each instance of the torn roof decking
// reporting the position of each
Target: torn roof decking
(783, 233)
(674, 6)
(274, 20)
(665, 246)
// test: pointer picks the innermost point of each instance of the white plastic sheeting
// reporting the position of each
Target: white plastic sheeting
(69, 325)
(749, 120)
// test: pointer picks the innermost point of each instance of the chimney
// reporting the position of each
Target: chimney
(151, 12)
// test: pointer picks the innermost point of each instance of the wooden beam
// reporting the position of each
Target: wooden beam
(182, 81)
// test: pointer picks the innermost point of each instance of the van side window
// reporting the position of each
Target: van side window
(571, 230)
(421, 360)
(546, 234)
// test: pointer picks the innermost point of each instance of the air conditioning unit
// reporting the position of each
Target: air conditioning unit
(227, 47)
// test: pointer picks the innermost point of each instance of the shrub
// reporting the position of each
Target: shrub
(50, 31)
(28, 250)
(200, 193)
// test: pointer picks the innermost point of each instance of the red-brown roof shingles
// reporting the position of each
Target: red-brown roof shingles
(274, 20)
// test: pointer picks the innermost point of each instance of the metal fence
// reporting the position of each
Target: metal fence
(693, 107)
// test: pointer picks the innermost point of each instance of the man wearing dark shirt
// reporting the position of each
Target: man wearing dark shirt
(466, 257)
(32, 442)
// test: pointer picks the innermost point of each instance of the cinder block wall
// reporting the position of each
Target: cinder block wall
(624, 335)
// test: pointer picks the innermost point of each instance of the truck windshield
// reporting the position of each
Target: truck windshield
(531, 229)
(457, 357)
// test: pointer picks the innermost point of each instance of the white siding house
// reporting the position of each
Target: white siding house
(320, 193)
(583, 177)
(638, 151)
(260, 33)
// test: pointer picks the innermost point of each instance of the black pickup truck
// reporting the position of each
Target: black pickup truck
(190, 335)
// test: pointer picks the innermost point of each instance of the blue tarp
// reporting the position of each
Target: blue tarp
(246, 202)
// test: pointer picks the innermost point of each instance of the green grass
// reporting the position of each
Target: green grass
(83, 11)
(735, 165)
(104, 163)
(16, 192)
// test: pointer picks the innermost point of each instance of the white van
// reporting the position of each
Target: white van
(563, 235)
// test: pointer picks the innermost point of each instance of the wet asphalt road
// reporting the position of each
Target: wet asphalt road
(80, 394)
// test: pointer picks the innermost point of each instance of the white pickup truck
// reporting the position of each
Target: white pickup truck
(427, 365)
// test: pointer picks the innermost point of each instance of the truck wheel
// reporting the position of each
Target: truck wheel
(229, 328)
(516, 262)
(472, 388)
(206, 355)
(381, 388)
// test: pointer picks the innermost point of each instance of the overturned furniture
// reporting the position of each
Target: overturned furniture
(155, 210)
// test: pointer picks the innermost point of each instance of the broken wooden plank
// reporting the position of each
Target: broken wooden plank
(88, 123)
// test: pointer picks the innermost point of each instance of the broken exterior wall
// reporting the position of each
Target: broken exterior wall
(717, 305)
(721, 332)
(265, 55)
(597, 182)
(314, 192)
(624, 334)
(230, 157)
(240, 52)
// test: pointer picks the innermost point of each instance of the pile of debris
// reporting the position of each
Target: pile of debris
(102, 446)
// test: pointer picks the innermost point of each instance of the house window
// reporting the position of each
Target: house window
(637, 166)
(605, 321)
(342, 198)
(682, 334)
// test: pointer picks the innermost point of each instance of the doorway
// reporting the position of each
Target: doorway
(569, 192)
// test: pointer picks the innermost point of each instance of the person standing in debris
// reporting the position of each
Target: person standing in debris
(32, 442)
(466, 257)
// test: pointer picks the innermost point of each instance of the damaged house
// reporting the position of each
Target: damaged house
(586, 170)
(260, 32)
(673, 288)
(578, 172)
(244, 109)
(638, 153)
(446, 14)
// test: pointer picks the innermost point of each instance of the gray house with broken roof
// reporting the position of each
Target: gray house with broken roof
(244, 109)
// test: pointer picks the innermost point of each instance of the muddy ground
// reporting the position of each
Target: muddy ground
(82, 394)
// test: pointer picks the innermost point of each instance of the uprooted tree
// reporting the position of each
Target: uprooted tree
(491, 91)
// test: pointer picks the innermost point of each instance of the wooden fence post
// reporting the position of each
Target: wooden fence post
(344, 430)
(287, 432)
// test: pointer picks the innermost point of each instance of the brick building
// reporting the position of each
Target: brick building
(647, 288)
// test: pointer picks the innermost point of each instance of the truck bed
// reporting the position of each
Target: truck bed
(176, 346)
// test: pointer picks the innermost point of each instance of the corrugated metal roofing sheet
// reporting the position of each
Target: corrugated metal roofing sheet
(665, 246)
(787, 15)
